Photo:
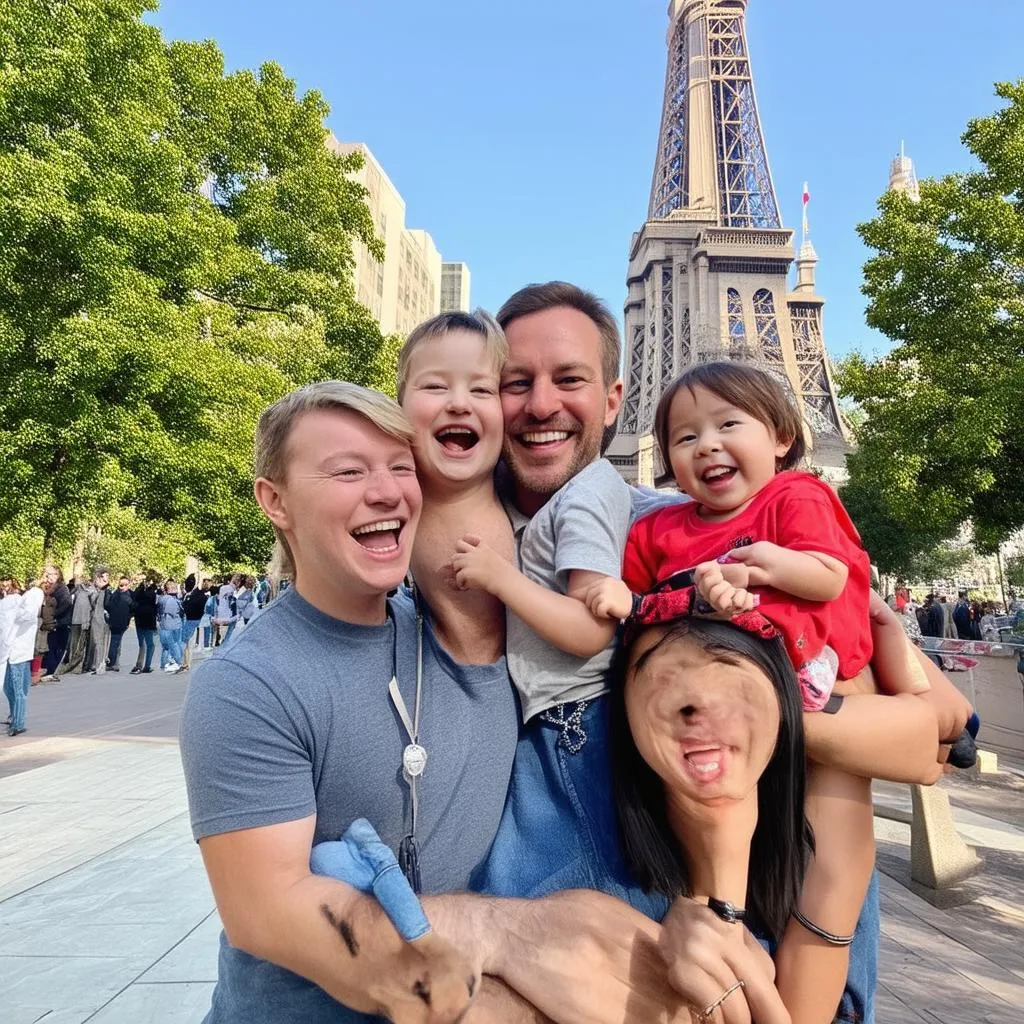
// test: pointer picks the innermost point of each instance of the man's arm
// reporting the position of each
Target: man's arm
(273, 908)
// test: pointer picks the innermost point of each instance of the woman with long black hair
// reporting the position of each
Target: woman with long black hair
(708, 768)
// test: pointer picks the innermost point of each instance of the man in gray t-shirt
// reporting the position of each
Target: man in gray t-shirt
(294, 720)
(292, 732)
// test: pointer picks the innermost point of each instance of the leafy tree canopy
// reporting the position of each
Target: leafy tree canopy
(176, 251)
(942, 443)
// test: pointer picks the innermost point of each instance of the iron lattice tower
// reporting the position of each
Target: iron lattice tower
(708, 271)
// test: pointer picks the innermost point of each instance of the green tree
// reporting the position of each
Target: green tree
(176, 251)
(942, 441)
(1013, 571)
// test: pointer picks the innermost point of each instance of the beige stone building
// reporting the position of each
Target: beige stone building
(709, 271)
(406, 288)
(454, 287)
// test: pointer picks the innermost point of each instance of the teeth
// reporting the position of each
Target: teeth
(706, 769)
(387, 524)
(547, 436)
(714, 474)
(455, 430)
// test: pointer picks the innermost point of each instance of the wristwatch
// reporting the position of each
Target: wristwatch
(728, 912)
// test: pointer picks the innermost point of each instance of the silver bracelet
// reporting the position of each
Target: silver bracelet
(829, 937)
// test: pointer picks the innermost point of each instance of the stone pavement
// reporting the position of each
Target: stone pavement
(106, 915)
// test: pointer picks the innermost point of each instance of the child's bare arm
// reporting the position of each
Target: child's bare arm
(896, 668)
(951, 708)
(811, 972)
(561, 619)
(810, 575)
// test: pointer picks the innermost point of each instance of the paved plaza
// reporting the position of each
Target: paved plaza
(106, 916)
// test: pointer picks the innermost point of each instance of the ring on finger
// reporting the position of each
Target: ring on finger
(708, 1012)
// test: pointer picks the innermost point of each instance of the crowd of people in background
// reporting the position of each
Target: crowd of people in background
(51, 627)
(964, 619)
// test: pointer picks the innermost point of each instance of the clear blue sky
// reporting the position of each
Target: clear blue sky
(522, 134)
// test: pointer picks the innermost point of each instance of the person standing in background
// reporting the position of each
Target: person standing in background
(10, 602)
(99, 630)
(168, 617)
(18, 674)
(58, 639)
(227, 610)
(194, 606)
(81, 621)
(211, 632)
(145, 623)
(120, 605)
(245, 600)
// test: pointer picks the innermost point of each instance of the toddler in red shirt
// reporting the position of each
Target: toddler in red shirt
(769, 545)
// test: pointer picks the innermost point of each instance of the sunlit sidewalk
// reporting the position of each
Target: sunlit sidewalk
(106, 915)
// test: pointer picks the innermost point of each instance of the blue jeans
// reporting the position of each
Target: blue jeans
(207, 635)
(147, 643)
(17, 680)
(188, 628)
(170, 647)
(227, 636)
(559, 830)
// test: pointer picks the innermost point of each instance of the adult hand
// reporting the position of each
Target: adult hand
(477, 566)
(582, 957)
(707, 956)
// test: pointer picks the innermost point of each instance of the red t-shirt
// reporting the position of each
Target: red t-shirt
(794, 510)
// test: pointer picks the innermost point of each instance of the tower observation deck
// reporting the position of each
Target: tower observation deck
(709, 270)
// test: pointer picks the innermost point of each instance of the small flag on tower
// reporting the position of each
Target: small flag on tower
(807, 199)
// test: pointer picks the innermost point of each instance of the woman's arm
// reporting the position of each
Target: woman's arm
(880, 737)
(810, 972)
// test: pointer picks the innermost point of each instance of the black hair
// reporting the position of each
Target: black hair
(782, 841)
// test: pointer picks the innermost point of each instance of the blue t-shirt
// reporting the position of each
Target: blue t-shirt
(294, 719)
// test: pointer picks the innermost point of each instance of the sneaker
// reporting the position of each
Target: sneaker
(180, 669)
(113, 668)
(145, 670)
(48, 679)
(134, 672)
(171, 666)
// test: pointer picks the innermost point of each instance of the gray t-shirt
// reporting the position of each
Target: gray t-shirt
(583, 526)
(294, 718)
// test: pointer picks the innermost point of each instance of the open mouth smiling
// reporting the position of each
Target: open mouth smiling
(541, 438)
(380, 538)
(718, 474)
(457, 440)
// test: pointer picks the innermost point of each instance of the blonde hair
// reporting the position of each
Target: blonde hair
(478, 322)
(275, 426)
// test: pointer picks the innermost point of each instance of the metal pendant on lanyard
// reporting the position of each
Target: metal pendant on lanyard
(414, 756)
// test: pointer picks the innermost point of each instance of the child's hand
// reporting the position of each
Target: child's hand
(722, 595)
(761, 560)
(477, 566)
(608, 598)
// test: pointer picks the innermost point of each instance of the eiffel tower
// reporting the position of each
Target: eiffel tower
(709, 270)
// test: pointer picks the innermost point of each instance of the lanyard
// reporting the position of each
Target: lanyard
(414, 757)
